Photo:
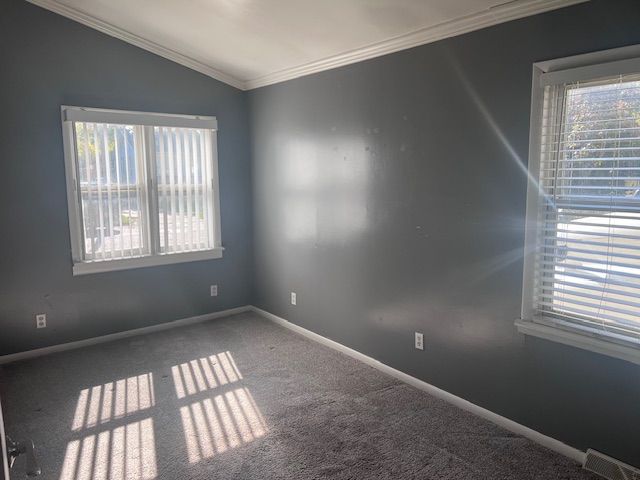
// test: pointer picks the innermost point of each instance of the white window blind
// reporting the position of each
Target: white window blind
(140, 194)
(184, 170)
(587, 264)
(112, 191)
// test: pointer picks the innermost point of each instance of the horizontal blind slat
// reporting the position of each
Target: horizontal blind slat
(570, 258)
(545, 287)
(551, 294)
(616, 319)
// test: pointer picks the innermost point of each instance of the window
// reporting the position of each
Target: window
(142, 188)
(582, 272)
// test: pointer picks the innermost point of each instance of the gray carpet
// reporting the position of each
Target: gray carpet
(242, 398)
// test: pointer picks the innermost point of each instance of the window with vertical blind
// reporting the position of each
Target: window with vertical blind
(583, 241)
(142, 188)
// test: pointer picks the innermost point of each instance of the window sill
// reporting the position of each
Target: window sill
(586, 339)
(149, 261)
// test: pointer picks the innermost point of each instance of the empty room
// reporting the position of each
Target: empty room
(335, 239)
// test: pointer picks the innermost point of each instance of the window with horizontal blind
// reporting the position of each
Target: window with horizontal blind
(582, 272)
(142, 188)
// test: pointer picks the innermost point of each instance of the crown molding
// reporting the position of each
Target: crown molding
(510, 10)
(505, 12)
(133, 39)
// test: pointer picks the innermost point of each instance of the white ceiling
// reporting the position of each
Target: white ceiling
(249, 43)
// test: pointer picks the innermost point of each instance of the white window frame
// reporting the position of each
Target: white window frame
(585, 67)
(71, 114)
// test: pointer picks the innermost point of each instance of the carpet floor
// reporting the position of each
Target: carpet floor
(242, 398)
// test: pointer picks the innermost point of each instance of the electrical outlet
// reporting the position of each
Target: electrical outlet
(419, 341)
(294, 298)
(214, 290)
(41, 320)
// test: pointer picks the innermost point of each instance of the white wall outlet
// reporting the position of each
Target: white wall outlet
(294, 298)
(214, 290)
(419, 341)
(41, 320)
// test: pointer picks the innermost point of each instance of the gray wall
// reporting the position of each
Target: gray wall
(45, 61)
(390, 195)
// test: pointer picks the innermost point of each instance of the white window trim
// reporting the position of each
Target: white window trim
(72, 114)
(580, 67)
(85, 268)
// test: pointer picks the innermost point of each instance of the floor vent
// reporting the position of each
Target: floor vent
(609, 467)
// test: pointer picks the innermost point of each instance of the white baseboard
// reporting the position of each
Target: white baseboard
(544, 440)
(14, 357)
(4, 461)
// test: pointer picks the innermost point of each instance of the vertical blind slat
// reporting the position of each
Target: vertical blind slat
(179, 185)
(208, 183)
(172, 173)
(140, 188)
(196, 181)
(88, 231)
(107, 167)
(206, 207)
(187, 177)
(117, 163)
(99, 184)
(163, 187)
(128, 175)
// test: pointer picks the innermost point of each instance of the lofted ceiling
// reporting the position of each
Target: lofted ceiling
(251, 43)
